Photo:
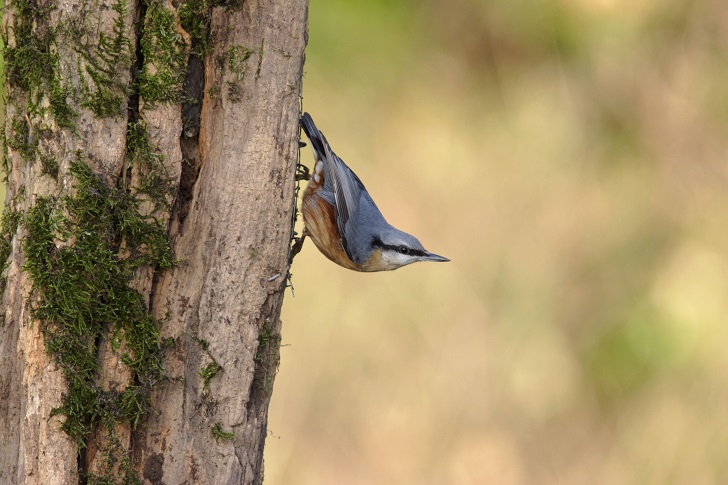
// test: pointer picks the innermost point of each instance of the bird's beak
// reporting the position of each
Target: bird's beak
(435, 257)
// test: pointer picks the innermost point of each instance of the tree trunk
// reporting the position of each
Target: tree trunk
(151, 148)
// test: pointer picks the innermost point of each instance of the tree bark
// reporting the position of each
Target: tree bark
(151, 149)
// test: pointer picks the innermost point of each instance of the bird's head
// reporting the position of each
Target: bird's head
(395, 249)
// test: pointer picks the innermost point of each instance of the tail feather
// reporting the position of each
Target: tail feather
(313, 134)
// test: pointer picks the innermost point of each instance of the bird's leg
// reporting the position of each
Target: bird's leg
(297, 245)
(302, 172)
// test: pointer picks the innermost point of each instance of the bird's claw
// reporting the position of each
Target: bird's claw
(296, 247)
(302, 172)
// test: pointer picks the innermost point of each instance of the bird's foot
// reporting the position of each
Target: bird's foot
(297, 246)
(302, 172)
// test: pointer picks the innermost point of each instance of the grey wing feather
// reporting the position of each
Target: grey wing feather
(347, 188)
(347, 193)
(313, 134)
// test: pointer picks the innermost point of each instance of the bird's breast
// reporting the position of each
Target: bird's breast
(319, 217)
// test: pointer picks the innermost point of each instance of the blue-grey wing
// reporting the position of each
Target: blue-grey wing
(348, 191)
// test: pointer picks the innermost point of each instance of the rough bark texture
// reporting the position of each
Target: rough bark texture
(224, 300)
(226, 132)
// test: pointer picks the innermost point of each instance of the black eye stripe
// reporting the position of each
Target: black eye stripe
(377, 243)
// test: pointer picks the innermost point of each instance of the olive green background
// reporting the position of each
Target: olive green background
(569, 156)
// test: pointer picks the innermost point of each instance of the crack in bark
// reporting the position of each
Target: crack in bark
(133, 101)
(82, 465)
(133, 116)
(267, 360)
(123, 180)
(193, 95)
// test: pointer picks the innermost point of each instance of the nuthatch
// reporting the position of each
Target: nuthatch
(343, 220)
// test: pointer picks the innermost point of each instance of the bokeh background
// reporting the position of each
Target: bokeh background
(569, 156)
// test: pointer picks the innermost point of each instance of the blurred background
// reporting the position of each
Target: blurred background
(569, 156)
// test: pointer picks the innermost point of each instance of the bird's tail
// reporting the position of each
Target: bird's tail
(317, 138)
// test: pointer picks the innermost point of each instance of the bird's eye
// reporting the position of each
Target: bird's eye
(404, 250)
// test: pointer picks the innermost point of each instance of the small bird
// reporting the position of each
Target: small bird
(343, 220)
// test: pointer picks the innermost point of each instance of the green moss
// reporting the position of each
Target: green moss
(82, 249)
(214, 92)
(266, 359)
(237, 58)
(157, 186)
(81, 253)
(32, 64)
(204, 344)
(80, 276)
(106, 95)
(194, 16)
(208, 372)
(220, 435)
(58, 97)
(117, 464)
(27, 62)
(6, 155)
(22, 139)
(8, 227)
(165, 56)
(261, 51)
(49, 165)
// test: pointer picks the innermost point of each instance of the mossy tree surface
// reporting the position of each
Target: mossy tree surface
(144, 227)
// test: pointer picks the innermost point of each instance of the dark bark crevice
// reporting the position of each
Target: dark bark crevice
(193, 98)
(82, 467)
(133, 101)
(133, 116)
